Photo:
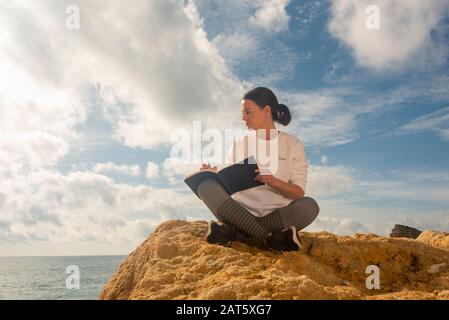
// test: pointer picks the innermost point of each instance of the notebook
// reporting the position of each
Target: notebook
(234, 178)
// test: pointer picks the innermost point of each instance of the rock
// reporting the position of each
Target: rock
(435, 238)
(175, 263)
(400, 231)
(435, 268)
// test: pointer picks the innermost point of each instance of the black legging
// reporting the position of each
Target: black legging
(299, 213)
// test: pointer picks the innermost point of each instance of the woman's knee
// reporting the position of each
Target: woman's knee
(303, 211)
(311, 205)
(210, 187)
(212, 194)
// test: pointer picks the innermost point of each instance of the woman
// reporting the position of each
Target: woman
(274, 212)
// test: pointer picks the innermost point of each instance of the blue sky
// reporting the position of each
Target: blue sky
(85, 146)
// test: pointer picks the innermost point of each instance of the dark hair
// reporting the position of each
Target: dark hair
(263, 96)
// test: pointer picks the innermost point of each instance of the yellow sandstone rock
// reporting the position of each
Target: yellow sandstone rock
(435, 238)
(175, 263)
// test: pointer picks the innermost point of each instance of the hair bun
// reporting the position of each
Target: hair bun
(283, 114)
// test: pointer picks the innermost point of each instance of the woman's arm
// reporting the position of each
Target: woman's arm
(288, 190)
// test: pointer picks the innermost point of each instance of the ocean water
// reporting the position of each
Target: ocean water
(46, 278)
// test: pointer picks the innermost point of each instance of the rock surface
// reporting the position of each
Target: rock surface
(435, 238)
(400, 231)
(175, 263)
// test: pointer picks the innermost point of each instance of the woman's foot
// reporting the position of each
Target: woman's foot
(218, 232)
(286, 240)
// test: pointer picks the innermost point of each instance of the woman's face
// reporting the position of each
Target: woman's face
(253, 116)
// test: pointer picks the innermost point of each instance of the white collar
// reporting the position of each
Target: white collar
(279, 132)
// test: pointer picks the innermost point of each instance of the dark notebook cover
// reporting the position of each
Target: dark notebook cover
(234, 178)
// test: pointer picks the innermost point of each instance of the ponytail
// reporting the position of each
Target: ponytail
(282, 114)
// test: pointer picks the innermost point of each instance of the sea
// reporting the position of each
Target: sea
(55, 278)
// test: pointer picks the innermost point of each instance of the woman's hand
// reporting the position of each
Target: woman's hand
(288, 190)
(269, 179)
(207, 166)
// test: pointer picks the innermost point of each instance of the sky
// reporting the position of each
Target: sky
(91, 93)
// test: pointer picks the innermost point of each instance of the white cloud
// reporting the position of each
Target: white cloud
(272, 15)
(87, 207)
(258, 64)
(353, 185)
(150, 63)
(250, 38)
(322, 117)
(324, 159)
(330, 117)
(308, 12)
(404, 38)
(175, 169)
(177, 70)
(236, 47)
(84, 206)
(152, 60)
(437, 121)
(336, 226)
(110, 167)
(404, 187)
(152, 170)
(346, 217)
(38, 118)
(330, 180)
(353, 201)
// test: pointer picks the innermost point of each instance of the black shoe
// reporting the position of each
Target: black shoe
(218, 232)
(286, 240)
